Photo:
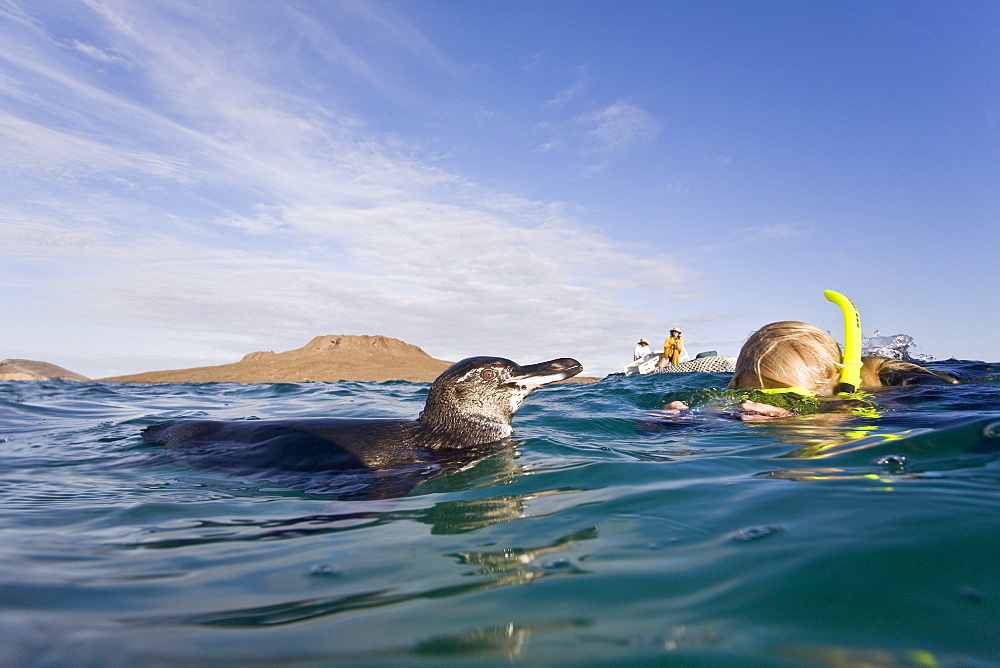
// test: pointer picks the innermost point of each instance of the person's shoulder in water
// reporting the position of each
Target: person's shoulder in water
(878, 371)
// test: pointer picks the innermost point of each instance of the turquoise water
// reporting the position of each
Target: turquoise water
(608, 535)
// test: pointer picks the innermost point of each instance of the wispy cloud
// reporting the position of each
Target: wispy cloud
(566, 95)
(777, 232)
(100, 55)
(209, 195)
(617, 127)
(599, 136)
(772, 235)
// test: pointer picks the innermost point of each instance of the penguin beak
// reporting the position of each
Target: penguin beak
(535, 375)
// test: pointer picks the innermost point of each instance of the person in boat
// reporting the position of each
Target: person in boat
(641, 350)
(673, 346)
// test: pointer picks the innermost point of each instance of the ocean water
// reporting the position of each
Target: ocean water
(606, 535)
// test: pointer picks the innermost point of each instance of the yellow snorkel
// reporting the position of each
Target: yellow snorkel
(850, 372)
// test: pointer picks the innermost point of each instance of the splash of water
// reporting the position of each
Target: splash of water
(894, 347)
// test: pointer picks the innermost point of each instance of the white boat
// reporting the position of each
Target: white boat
(703, 363)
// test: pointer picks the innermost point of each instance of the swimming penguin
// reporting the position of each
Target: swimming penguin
(470, 405)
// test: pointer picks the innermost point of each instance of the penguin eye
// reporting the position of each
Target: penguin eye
(488, 374)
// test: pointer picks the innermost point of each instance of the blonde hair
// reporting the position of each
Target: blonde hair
(789, 354)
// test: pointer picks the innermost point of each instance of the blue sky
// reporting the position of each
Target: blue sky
(186, 182)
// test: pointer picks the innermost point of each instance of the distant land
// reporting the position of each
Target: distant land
(325, 359)
(33, 370)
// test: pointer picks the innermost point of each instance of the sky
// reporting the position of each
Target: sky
(186, 182)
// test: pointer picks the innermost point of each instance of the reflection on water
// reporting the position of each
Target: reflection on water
(521, 562)
(909, 452)
(508, 641)
(496, 568)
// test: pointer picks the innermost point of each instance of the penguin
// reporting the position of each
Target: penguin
(467, 416)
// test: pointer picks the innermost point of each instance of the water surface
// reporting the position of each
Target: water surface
(607, 535)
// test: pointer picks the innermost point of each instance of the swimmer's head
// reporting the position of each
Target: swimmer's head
(789, 354)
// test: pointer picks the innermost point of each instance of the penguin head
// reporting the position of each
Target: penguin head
(487, 391)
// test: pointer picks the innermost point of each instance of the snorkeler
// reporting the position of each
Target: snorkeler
(798, 360)
(793, 354)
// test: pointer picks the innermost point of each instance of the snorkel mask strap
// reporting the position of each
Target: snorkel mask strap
(801, 391)
(850, 372)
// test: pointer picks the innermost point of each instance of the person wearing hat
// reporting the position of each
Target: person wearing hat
(641, 350)
(673, 346)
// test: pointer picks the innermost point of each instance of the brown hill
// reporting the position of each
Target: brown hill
(324, 359)
(34, 370)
